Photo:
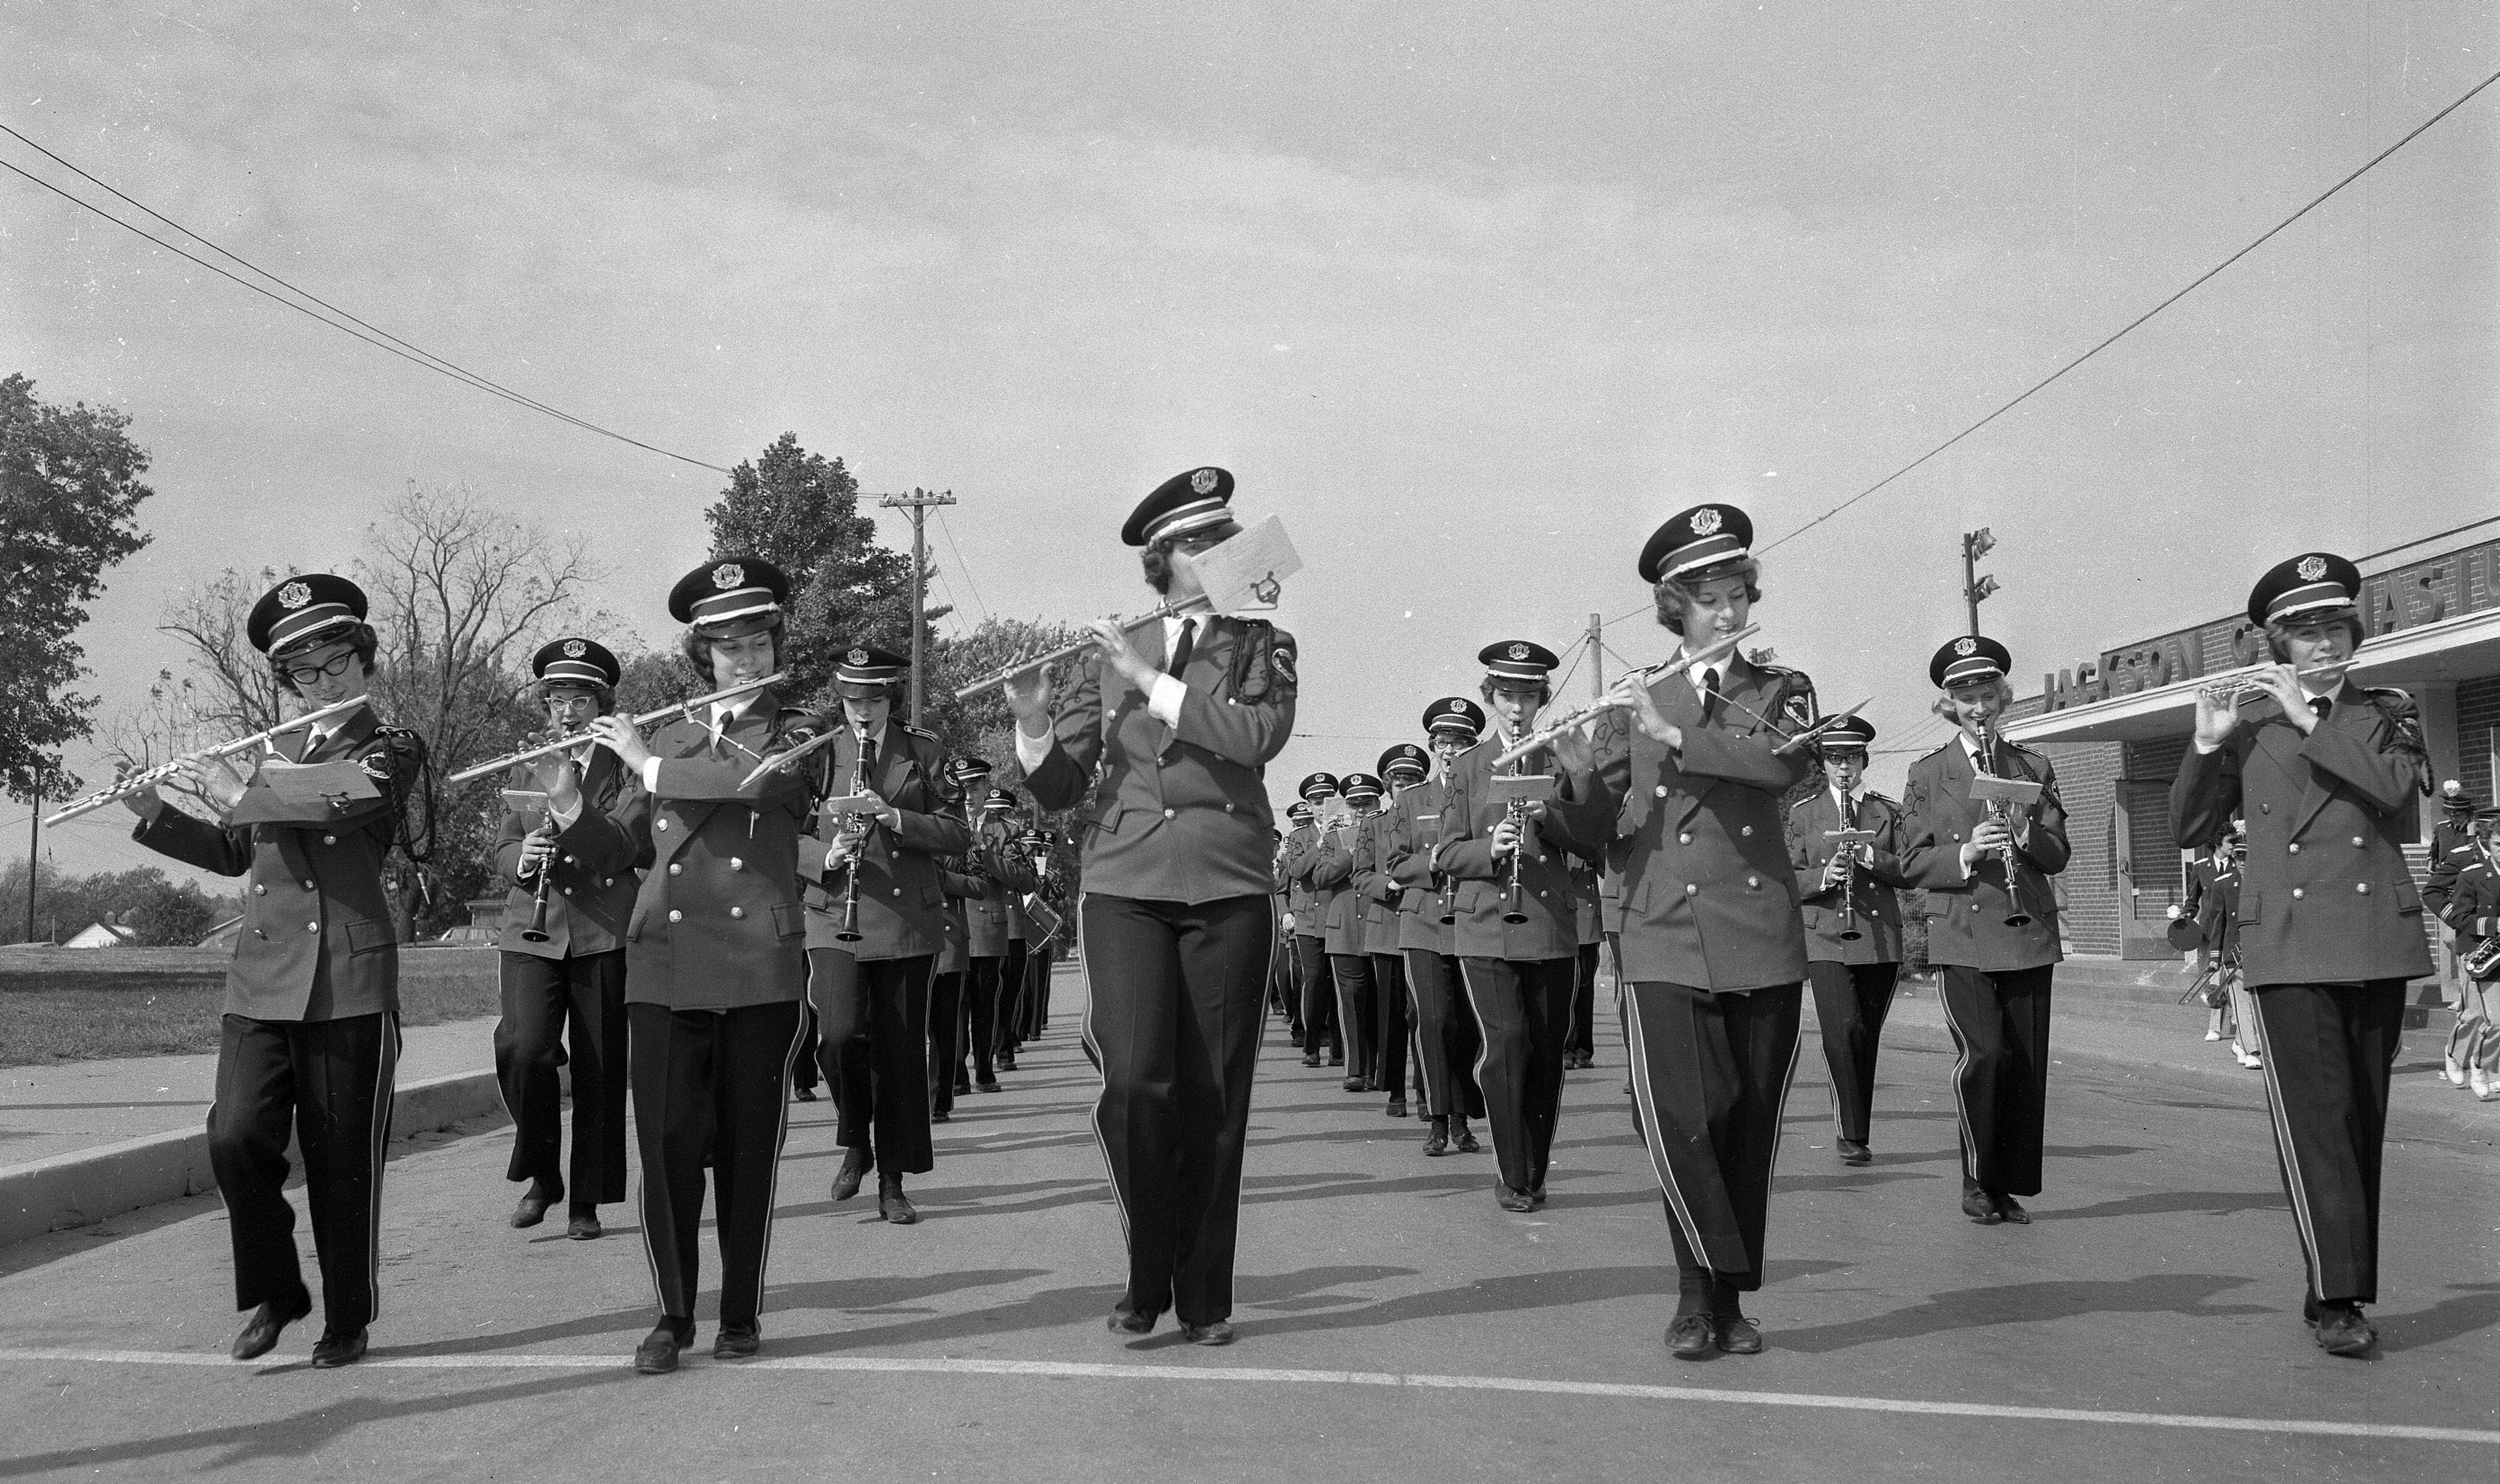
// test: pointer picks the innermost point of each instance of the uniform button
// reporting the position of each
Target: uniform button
(329, 839)
(677, 916)
(2294, 848)
(735, 864)
(1684, 839)
(312, 927)
(737, 911)
(898, 891)
(2265, 809)
(2296, 894)
(309, 886)
(659, 824)
(675, 867)
(1957, 834)
(259, 890)
(1171, 813)
(1690, 887)
(1974, 907)
(2363, 887)
(607, 881)
(1227, 808)
(1540, 895)
(1753, 880)
(1747, 829)
(570, 861)
(2357, 839)
(1662, 790)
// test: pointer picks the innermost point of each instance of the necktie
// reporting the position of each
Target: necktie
(719, 725)
(1709, 689)
(1181, 651)
(2322, 705)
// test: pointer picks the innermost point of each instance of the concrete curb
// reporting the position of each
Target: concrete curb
(90, 1185)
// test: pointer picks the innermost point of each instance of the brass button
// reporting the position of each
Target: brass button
(2294, 848)
(2363, 887)
(1974, 907)
(1684, 837)
(312, 927)
(737, 911)
(1957, 834)
(898, 891)
(2357, 839)
(735, 864)
(329, 839)
(1171, 813)
(1227, 808)
(2265, 809)
(1754, 881)
(2296, 893)
(1747, 829)
(675, 867)
(606, 880)
(1690, 887)
(1662, 790)
(309, 886)
(677, 916)
(568, 891)
(659, 824)
(259, 890)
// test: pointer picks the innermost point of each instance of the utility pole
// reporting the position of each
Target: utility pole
(1597, 656)
(1974, 587)
(917, 502)
(34, 847)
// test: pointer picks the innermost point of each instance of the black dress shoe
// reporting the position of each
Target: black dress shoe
(583, 1225)
(1125, 1320)
(893, 1204)
(1736, 1335)
(1311, 1060)
(1536, 1196)
(846, 1180)
(2012, 1210)
(260, 1333)
(2341, 1330)
(1463, 1137)
(533, 1204)
(962, 1088)
(1854, 1152)
(1692, 1338)
(1007, 1061)
(987, 1085)
(1436, 1137)
(940, 1116)
(1510, 1200)
(1396, 1107)
(332, 1351)
(737, 1342)
(1979, 1206)
(657, 1354)
(803, 1095)
(1217, 1332)
(1336, 1061)
(1354, 1084)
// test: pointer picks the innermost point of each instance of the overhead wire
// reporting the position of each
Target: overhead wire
(947, 529)
(357, 328)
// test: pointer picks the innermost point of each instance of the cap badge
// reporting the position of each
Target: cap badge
(574, 648)
(1965, 647)
(2311, 568)
(1706, 520)
(857, 656)
(727, 575)
(294, 595)
(1203, 481)
(1516, 652)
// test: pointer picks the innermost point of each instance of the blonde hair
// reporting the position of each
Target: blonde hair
(1944, 702)
(1674, 594)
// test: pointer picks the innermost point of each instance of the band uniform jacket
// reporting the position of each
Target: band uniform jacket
(590, 881)
(1967, 922)
(1379, 890)
(318, 941)
(2452, 846)
(998, 868)
(1872, 891)
(1180, 812)
(1469, 814)
(1346, 854)
(953, 952)
(1593, 911)
(2469, 903)
(1301, 852)
(902, 902)
(2214, 905)
(1709, 898)
(718, 924)
(1415, 828)
(2325, 897)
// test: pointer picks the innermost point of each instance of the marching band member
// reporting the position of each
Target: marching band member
(1048, 902)
(2455, 842)
(714, 955)
(2468, 901)
(1446, 1041)
(1687, 773)
(1402, 767)
(1992, 926)
(1518, 975)
(1175, 915)
(1320, 1020)
(2330, 925)
(1580, 1046)
(1852, 923)
(872, 873)
(1285, 974)
(1003, 872)
(1358, 1011)
(950, 980)
(308, 1041)
(571, 866)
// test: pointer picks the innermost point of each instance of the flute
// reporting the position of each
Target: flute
(2237, 688)
(150, 777)
(1069, 651)
(1646, 675)
(682, 709)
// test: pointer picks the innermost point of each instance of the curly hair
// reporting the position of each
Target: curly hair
(1944, 702)
(361, 638)
(1672, 594)
(696, 648)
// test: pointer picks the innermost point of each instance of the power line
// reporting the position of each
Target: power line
(947, 528)
(380, 339)
(2201, 280)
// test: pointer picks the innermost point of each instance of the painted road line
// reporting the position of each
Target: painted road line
(1104, 1372)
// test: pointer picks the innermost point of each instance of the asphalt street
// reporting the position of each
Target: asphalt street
(1395, 1323)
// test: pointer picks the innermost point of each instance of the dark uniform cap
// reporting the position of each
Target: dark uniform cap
(1518, 659)
(865, 672)
(999, 801)
(1362, 786)
(1183, 504)
(1405, 757)
(1318, 786)
(1299, 811)
(733, 587)
(302, 607)
(2319, 583)
(1455, 714)
(577, 662)
(1968, 660)
(1849, 733)
(2453, 796)
(1704, 535)
(967, 770)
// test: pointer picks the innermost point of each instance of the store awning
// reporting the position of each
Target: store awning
(2452, 649)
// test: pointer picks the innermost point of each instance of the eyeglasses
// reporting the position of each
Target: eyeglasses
(306, 674)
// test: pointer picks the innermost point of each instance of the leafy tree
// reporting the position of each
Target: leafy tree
(68, 494)
(159, 912)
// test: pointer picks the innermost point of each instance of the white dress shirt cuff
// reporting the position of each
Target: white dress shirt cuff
(1163, 703)
(651, 775)
(1032, 751)
(563, 819)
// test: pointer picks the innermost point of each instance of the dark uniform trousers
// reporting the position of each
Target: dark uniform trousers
(565, 1011)
(944, 1055)
(1319, 997)
(1851, 1001)
(1711, 1074)
(1584, 1005)
(1446, 1040)
(875, 1053)
(1393, 1023)
(2332, 1044)
(1524, 1010)
(980, 1038)
(1175, 1000)
(335, 1078)
(1010, 1004)
(710, 1088)
(1356, 1013)
(2000, 1031)
(1038, 967)
(1284, 985)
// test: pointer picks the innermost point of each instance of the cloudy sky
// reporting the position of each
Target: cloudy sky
(1473, 296)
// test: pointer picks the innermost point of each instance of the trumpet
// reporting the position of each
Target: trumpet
(2002, 813)
(575, 739)
(1647, 674)
(148, 778)
(2236, 688)
(1001, 676)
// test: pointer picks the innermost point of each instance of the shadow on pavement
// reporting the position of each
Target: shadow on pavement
(2188, 1295)
(2166, 1203)
(2477, 1306)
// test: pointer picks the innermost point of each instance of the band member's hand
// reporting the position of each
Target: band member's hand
(1991, 837)
(144, 803)
(538, 847)
(1513, 835)
(2216, 720)
(1028, 693)
(216, 779)
(2279, 681)
(1113, 646)
(619, 735)
(1836, 870)
(1632, 693)
(1573, 751)
(554, 773)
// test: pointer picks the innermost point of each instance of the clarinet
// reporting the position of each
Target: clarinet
(849, 930)
(1849, 930)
